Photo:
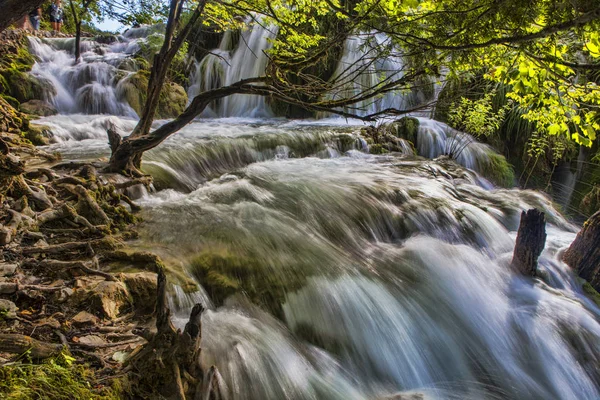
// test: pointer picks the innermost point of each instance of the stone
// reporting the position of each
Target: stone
(92, 340)
(8, 287)
(8, 309)
(38, 108)
(7, 269)
(142, 287)
(84, 319)
(105, 298)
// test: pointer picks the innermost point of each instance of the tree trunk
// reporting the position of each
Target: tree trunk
(77, 41)
(584, 253)
(13, 10)
(531, 239)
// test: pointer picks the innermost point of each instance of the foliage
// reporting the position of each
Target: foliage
(56, 378)
(478, 117)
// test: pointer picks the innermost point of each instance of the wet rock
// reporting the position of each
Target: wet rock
(142, 287)
(8, 309)
(38, 108)
(84, 319)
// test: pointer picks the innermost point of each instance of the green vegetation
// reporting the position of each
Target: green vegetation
(497, 170)
(56, 378)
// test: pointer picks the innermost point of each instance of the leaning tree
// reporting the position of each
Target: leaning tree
(536, 48)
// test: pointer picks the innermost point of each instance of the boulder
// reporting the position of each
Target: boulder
(142, 288)
(133, 89)
(38, 108)
(104, 298)
(24, 86)
(38, 135)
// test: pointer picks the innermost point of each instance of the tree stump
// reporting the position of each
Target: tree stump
(531, 239)
(584, 253)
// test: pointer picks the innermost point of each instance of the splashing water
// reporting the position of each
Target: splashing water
(371, 277)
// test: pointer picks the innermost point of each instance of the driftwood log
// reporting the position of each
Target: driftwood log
(19, 344)
(531, 239)
(584, 253)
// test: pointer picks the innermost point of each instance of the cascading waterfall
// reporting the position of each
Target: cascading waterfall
(370, 277)
(362, 68)
(90, 86)
(225, 65)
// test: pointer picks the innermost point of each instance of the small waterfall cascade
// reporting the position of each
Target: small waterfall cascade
(436, 139)
(362, 67)
(329, 273)
(227, 65)
(90, 86)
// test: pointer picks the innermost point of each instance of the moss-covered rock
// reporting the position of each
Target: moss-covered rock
(133, 89)
(590, 202)
(38, 108)
(224, 271)
(38, 134)
(404, 128)
(24, 86)
(11, 120)
(497, 169)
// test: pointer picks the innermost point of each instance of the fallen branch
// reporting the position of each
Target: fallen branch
(19, 344)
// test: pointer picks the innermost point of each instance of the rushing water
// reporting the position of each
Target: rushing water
(328, 272)
(357, 276)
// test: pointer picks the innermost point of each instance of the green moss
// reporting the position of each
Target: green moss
(57, 378)
(173, 97)
(11, 100)
(497, 169)
(37, 135)
(224, 273)
(404, 128)
(377, 149)
(591, 293)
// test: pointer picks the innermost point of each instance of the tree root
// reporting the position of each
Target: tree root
(61, 266)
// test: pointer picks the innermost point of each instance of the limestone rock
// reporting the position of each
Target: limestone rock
(105, 298)
(142, 287)
(39, 108)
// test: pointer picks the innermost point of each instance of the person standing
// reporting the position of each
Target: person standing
(56, 15)
(35, 16)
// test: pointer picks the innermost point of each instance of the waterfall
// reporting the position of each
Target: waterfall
(329, 273)
(224, 66)
(365, 64)
(90, 86)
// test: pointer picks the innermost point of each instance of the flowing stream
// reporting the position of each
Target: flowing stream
(331, 273)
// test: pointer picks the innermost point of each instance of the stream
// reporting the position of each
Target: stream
(332, 273)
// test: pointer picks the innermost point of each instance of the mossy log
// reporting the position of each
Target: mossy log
(531, 239)
(584, 253)
(19, 344)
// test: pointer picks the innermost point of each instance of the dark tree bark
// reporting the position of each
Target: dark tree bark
(13, 10)
(531, 239)
(584, 253)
